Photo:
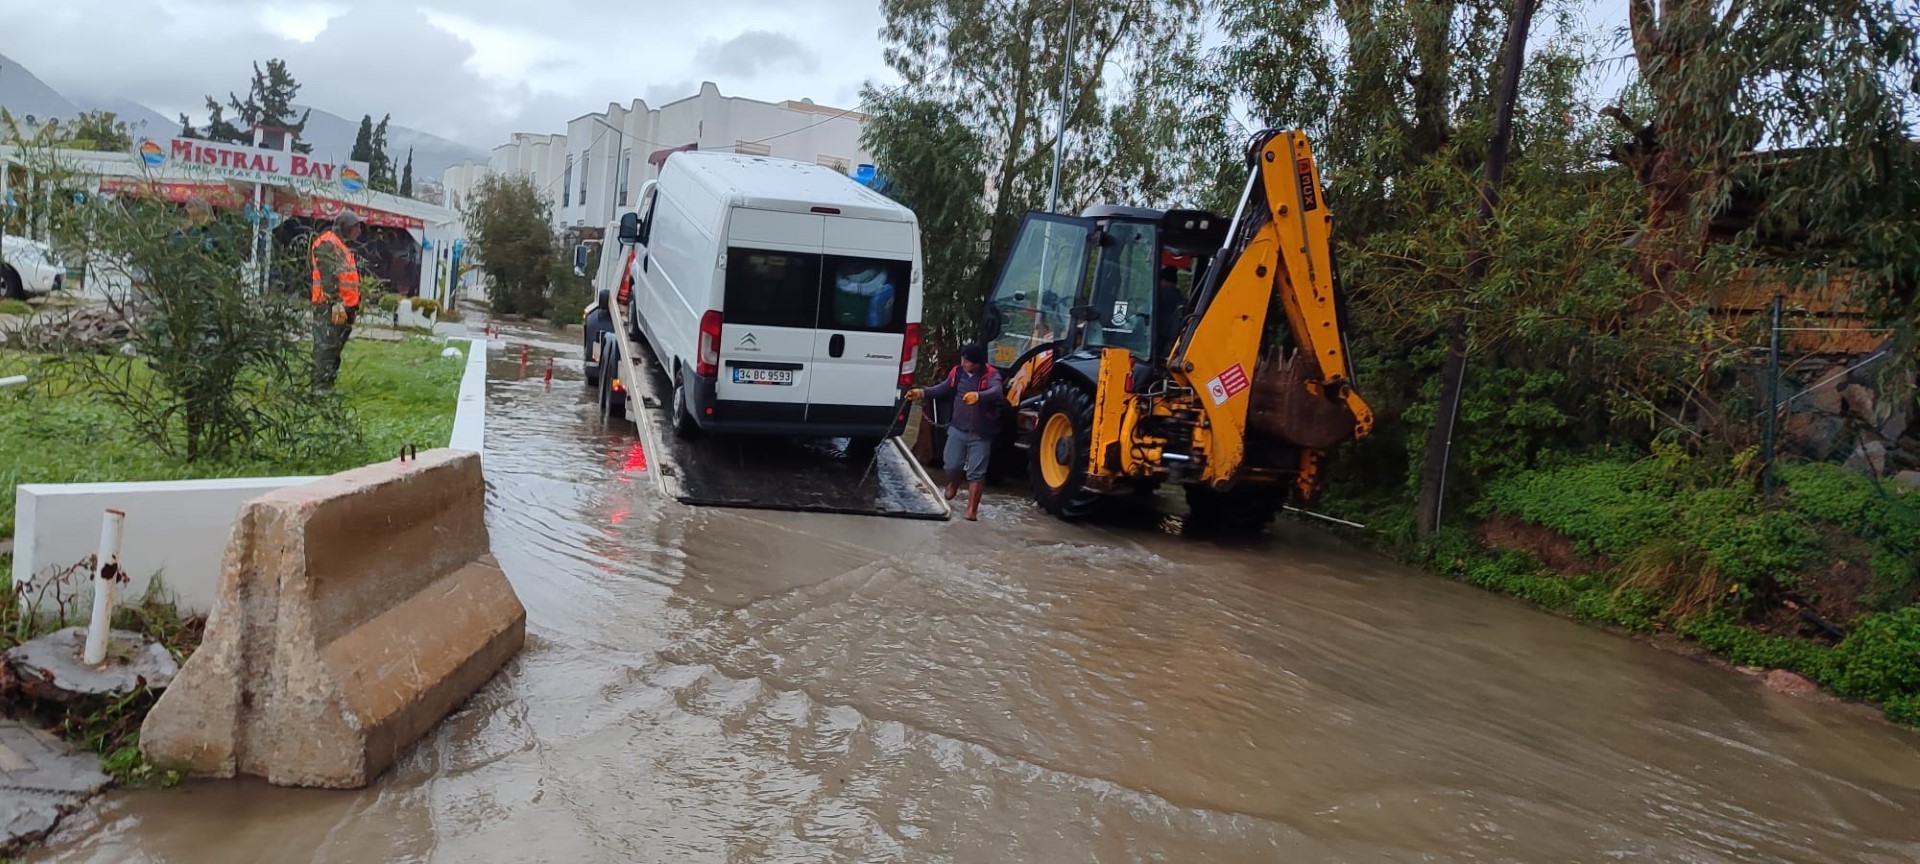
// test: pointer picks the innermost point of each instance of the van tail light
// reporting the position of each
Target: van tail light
(626, 281)
(707, 364)
(909, 355)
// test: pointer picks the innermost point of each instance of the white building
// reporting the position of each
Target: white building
(596, 170)
(459, 182)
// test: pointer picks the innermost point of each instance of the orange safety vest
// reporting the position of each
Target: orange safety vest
(349, 277)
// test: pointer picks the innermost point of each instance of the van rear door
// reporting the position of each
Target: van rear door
(866, 280)
(769, 308)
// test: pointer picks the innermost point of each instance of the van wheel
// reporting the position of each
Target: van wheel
(12, 287)
(683, 425)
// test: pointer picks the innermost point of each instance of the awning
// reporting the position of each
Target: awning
(214, 194)
(660, 156)
(327, 208)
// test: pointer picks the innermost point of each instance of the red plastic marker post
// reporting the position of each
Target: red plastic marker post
(549, 373)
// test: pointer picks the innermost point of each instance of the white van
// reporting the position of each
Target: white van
(782, 298)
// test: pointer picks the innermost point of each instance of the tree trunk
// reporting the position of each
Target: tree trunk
(1433, 472)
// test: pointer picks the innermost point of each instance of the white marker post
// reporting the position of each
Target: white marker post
(106, 571)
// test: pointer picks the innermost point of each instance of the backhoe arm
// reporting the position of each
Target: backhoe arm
(1279, 246)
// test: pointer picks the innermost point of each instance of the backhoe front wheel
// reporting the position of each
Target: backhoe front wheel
(1057, 459)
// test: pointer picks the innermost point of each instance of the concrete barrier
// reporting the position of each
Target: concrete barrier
(354, 613)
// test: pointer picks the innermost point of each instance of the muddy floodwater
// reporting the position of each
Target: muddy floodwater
(710, 685)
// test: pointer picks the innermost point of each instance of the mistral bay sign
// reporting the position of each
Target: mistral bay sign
(249, 164)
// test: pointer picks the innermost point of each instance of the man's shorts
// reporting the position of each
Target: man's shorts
(966, 448)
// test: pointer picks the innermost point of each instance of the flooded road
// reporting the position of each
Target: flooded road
(708, 685)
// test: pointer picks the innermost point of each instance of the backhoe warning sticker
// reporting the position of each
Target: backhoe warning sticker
(1227, 384)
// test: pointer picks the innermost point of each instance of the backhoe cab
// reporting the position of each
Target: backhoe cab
(1145, 347)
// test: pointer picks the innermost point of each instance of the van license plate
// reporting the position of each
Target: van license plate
(762, 376)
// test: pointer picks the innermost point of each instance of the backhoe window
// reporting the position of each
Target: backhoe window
(1037, 289)
(1123, 288)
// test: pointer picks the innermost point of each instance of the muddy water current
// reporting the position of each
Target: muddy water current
(714, 685)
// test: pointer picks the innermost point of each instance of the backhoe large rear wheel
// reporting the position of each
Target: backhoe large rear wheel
(1057, 459)
(1244, 510)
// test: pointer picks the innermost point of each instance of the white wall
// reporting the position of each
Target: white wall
(179, 528)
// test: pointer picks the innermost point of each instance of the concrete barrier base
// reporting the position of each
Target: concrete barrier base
(354, 613)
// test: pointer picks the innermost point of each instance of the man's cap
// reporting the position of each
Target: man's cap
(973, 352)
(346, 219)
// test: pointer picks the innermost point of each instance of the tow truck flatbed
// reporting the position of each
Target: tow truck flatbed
(766, 473)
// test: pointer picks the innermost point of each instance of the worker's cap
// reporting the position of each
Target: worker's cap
(346, 219)
(973, 352)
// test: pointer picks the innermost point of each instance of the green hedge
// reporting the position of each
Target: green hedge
(1711, 519)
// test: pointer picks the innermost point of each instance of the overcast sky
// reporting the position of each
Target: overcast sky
(470, 70)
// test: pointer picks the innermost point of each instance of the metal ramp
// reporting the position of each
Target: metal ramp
(768, 473)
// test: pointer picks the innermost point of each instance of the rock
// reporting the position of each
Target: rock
(41, 779)
(1815, 437)
(1869, 458)
(1897, 419)
(1858, 399)
(1822, 396)
(51, 667)
(1909, 480)
(1782, 681)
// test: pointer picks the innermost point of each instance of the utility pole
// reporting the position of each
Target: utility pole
(1060, 130)
(1433, 474)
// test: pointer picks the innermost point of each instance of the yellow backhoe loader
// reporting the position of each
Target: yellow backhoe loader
(1233, 387)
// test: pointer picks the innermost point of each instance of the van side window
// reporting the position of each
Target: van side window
(772, 289)
(645, 234)
(864, 294)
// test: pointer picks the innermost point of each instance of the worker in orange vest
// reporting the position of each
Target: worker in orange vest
(336, 296)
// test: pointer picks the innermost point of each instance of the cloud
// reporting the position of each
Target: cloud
(470, 70)
(754, 51)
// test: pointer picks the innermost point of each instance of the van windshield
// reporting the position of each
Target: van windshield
(816, 292)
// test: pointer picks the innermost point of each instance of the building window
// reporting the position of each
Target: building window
(837, 163)
(584, 157)
(626, 159)
(566, 185)
(752, 148)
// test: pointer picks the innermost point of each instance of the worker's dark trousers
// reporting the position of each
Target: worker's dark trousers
(329, 340)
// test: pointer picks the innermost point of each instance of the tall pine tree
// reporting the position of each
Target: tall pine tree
(269, 102)
(363, 142)
(406, 176)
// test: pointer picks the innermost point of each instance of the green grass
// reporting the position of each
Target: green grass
(397, 392)
(11, 306)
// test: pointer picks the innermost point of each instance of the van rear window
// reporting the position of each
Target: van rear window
(825, 292)
(772, 289)
(864, 294)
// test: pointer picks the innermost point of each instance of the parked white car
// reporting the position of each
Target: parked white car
(29, 268)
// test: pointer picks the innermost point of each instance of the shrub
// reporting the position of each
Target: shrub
(1880, 659)
(425, 306)
(210, 371)
(390, 303)
(1857, 504)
